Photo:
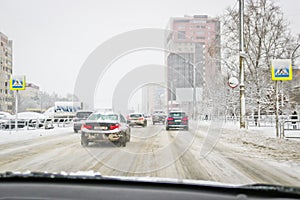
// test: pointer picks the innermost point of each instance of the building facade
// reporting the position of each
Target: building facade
(153, 98)
(193, 57)
(6, 68)
(30, 99)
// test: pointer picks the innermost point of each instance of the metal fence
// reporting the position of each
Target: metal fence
(48, 123)
(290, 129)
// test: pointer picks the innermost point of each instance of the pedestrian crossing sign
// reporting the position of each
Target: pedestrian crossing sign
(281, 70)
(17, 83)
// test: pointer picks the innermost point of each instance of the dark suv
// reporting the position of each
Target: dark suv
(177, 119)
(80, 118)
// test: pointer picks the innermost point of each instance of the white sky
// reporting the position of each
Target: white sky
(52, 38)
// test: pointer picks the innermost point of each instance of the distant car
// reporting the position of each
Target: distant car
(5, 119)
(105, 127)
(159, 117)
(177, 119)
(80, 118)
(137, 119)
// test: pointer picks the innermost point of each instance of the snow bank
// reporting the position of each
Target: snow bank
(24, 134)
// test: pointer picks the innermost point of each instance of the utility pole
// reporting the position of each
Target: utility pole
(277, 109)
(16, 107)
(242, 75)
(194, 92)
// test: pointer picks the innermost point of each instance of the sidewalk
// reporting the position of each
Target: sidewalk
(262, 138)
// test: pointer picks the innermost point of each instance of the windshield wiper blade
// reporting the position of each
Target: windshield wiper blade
(275, 188)
(78, 175)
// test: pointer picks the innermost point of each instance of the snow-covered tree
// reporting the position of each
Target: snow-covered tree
(266, 36)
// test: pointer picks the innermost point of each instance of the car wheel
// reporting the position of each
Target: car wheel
(153, 123)
(186, 128)
(128, 137)
(117, 143)
(84, 142)
(167, 128)
(124, 142)
(75, 131)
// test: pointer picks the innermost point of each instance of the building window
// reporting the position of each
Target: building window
(199, 21)
(6, 92)
(180, 27)
(5, 83)
(181, 35)
(200, 32)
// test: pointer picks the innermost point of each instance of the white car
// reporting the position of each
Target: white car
(136, 119)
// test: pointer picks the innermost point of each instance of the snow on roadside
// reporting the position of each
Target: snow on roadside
(263, 139)
(23, 134)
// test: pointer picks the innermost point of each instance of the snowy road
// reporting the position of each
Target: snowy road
(155, 152)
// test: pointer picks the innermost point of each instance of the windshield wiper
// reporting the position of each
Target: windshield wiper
(274, 188)
(77, 175)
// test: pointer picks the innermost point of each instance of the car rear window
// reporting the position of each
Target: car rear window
(83, 114)
(103, 117)
(136, 115)
(177, 114)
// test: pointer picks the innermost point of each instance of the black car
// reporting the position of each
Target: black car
(177, 119)
(80, 118)
(105, 127)
(158, 117)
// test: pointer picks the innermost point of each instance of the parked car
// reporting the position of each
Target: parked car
(177, 119)
(5, 120)
(136, 119)
(105, 127)
(80, 117)
(159, 117)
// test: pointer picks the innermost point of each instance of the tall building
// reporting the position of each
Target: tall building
(194, 55)
(6, 96)
(153, 98)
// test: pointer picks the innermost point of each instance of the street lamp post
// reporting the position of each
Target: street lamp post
(194, 92)
(194, 82)
(194, 86)
(242, 75)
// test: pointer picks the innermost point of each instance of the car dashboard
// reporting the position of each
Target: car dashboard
(73, 188)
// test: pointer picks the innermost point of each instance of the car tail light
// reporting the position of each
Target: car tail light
(170, 118)
(86, 126)
(141, 118)
(185, 119)
(114, 126)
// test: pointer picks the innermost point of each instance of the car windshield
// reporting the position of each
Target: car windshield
(136, 115)
(185, 90)
(83, 115)
(177, 114)
(159, 112)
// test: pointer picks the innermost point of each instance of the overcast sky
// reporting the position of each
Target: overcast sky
(52, 38)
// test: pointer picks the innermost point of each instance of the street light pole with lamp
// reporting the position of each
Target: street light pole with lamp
(194, 86)
(194, 65)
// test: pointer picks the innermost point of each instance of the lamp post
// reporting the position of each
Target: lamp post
(194, 86)
(242, 75)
